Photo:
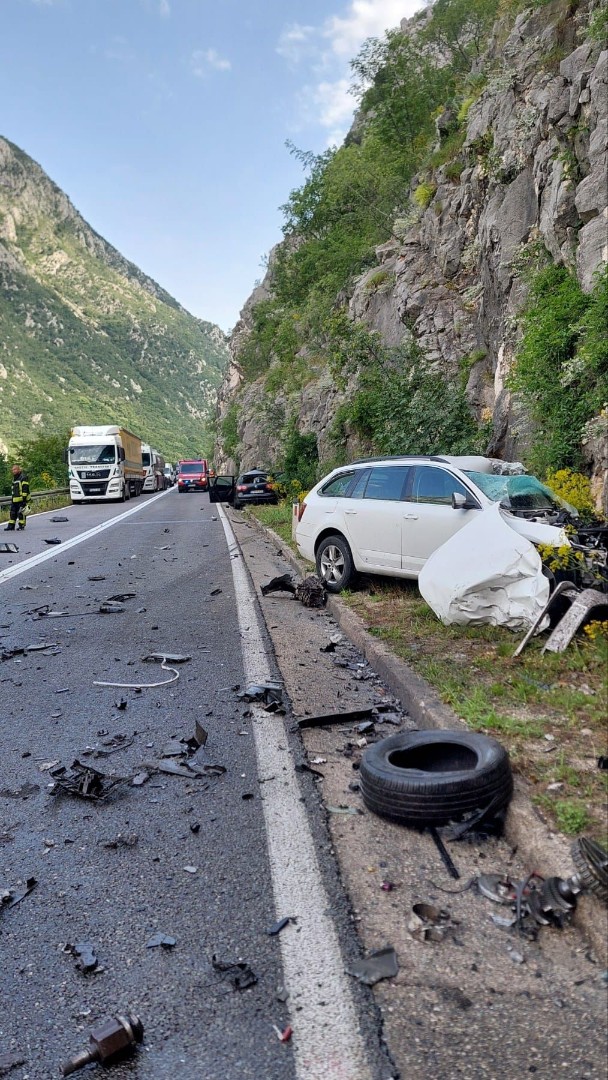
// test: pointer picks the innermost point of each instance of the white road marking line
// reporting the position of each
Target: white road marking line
(327, 1042)
(20, 568)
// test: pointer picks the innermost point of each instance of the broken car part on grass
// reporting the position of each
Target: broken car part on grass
(310, 592)
(581, 604)
(114, 1040)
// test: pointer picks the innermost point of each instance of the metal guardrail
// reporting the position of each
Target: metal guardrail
(38, 495)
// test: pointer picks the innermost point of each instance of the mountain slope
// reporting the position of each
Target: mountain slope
(85, 336)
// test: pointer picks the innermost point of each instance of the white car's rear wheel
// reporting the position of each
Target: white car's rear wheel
(335, 563)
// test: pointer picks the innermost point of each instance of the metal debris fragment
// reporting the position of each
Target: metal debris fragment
(268, 695)
(283, 583)
(86, 957)
(429, 923)
(112, 1041)
(311, 592)
(352, 716)
(10, 897)
(380, 964)
(83, 781)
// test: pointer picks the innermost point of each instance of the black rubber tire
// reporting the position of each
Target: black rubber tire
(335, 563)
(409, 777)
(237, 505)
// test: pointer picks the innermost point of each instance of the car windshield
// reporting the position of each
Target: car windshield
(93, 455)
(145, 458)
(191, 467)
(521, 493)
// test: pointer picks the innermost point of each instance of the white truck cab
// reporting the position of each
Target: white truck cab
(104, 462)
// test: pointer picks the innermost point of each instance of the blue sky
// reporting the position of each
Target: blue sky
(165, 121)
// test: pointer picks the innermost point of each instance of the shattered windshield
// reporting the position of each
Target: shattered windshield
(519, 493)
(93, 455)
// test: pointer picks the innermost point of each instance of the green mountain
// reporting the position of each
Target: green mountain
(85, 336)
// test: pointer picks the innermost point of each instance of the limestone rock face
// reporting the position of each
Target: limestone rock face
(537, 150)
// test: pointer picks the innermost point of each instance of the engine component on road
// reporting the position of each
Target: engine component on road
(112, 1041)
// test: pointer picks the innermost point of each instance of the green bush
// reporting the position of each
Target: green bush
(42, 459)
(561, 367)
(424, 193)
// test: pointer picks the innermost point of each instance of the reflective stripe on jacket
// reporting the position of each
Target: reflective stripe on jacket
(21, 490)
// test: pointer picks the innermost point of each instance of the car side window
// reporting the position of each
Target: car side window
(358, 490)
(386, 482)
(339, 485)
(435, 485)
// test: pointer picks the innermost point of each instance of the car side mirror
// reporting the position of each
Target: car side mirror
(463, 502)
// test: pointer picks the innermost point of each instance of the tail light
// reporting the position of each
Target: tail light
(301, 509)
(241, 487)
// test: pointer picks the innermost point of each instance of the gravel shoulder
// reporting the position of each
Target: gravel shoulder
(482, 1002)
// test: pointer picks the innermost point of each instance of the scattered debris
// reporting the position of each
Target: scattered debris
(56, 520)
(140, 778)
(162, 940)
(163, 657)
(10, 897)
(96, 577)
(110, 608)
(381, 964)
(446, 858)
(311, 592)
(581, 607)
(353, 810)
(283, 583)
(120, 597)
(388, 886)
(86, 957)
(280, 925)
(285, 1034)
(9, 549)
(83, 781)
(23, 650)
(191, 869)
(112, 1041)
(53, 540)
(269, 695)
(429, 923)
(237, 972)
(352, 716)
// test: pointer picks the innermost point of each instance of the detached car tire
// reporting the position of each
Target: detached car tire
(429, 778)
(335, 563)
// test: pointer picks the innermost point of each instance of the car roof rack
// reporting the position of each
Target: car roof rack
(398, 457)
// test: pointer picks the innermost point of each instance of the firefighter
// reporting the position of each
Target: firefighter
(20, 497)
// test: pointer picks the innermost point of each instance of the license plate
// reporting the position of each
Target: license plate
(94, 491)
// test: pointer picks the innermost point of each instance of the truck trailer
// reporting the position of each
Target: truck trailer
(104, 463)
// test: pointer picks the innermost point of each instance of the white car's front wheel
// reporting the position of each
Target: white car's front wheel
(335, 563)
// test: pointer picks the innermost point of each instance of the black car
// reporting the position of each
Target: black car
(254, 486)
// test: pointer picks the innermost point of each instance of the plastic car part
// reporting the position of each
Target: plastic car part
(111, 1041)
(426, 778)
(591, 862)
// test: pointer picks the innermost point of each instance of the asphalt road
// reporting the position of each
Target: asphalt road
(275, 838)
(201, 857)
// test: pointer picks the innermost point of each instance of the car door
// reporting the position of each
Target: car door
(428, 516)
(372, 518)
(221, 489)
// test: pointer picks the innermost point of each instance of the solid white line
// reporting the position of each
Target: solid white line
(327, 1042)
(20, 568)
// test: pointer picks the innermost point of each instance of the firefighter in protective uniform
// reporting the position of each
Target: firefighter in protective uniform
(20, 497)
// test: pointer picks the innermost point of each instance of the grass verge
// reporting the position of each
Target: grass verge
(548, 710)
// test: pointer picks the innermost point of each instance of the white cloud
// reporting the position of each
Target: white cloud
(363, 19)
(333, 106)
(296, 42)
(328, 49)
(203, 61)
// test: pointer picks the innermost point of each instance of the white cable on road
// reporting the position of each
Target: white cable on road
(20, 568)
(327, 1042)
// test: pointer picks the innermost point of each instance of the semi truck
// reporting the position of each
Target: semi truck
(154, 468)
(104, 463)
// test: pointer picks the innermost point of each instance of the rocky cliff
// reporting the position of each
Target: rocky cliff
(530, 175)
(85, 336)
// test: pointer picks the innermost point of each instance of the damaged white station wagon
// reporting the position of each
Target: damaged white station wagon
(389, 515)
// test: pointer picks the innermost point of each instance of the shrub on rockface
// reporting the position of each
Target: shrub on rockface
(561, 367)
